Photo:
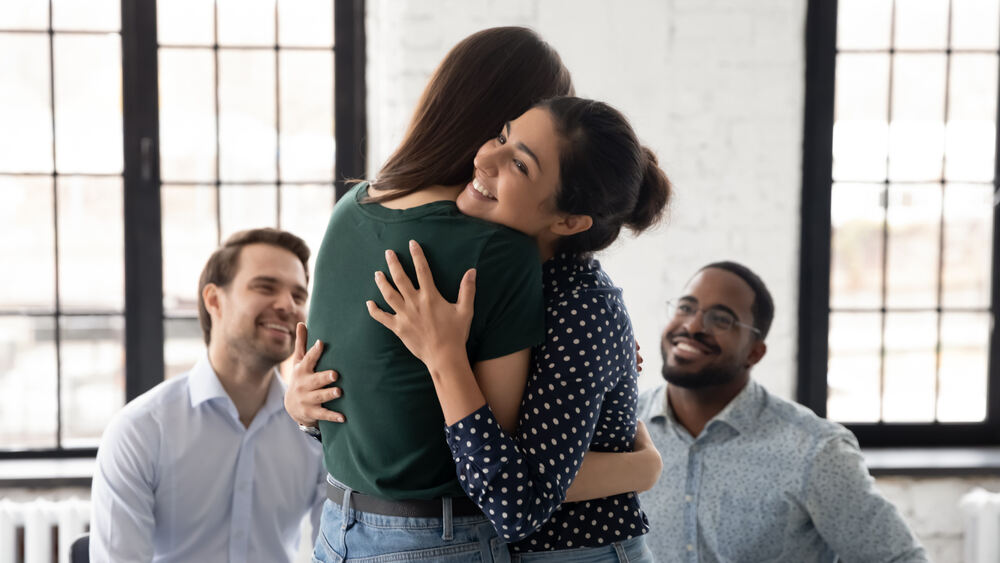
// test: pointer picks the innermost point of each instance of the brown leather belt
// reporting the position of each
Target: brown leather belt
(460, 506)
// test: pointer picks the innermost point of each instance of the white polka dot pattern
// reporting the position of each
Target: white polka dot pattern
(581, 394)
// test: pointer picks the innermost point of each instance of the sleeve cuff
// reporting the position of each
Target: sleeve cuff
(473, 433)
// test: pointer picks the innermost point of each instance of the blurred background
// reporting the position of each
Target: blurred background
(846, 151)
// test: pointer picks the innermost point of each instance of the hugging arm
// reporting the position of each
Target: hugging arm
(515, 481)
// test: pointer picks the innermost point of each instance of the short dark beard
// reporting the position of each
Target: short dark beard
(709, 377)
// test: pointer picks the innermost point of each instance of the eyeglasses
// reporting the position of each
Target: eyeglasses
(712, 319)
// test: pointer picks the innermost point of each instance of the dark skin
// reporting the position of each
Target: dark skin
(690, 351)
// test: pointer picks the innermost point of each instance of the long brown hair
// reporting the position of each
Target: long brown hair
(490, 77)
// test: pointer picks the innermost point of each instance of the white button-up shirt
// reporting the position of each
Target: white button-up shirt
(179, 478)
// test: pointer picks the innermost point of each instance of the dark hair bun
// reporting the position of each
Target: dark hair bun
(654, 192)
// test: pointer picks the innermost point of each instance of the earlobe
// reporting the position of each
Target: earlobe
(572, 224)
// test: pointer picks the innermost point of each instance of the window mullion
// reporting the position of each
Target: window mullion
(814, 258)
(143, 250)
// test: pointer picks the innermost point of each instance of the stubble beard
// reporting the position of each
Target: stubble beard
(712, 376)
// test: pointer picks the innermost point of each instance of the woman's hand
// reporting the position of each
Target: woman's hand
(431, 328)
(649, 463)
(307, 390)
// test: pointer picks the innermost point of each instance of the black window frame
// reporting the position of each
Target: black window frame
(815, 256)
(143, 257)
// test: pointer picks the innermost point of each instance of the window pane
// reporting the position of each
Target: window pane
(183, 346)
(305, 211)
(247, 207)
(92, 351)
(860, 134)
(914, 216)
(307, 116)
(305, 22)
(246, 22)
(916, 139)
(185, 22)
(246, 120)
(972, 104)
(28, 379)
(974, 23)
(26, 207)
(964, 359)
(968, 235)
(88, 103)
(25, 104)
(92, 15)
(853, 376)
(91, 244)
(910, 358)
(856, 216)
(863, 24)
(187, 115)
(921, 24)
(190, 235)
(24, 14)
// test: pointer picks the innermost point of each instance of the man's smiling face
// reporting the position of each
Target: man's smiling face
(697, 355)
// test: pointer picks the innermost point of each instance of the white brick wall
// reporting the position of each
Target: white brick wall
(716, 88)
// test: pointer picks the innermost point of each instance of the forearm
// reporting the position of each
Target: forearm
(516, 491)
(605, 474)
(455, 385)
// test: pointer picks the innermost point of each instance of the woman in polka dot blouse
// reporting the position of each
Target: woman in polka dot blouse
(571, 173)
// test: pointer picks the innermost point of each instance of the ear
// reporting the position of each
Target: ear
(757, 351)
(572, 224)
(210, 294)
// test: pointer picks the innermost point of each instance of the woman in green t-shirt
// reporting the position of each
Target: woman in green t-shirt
(483, 82)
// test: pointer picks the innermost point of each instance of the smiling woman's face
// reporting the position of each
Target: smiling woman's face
(516, 176)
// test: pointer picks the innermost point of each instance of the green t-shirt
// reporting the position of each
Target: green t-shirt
(393, 444)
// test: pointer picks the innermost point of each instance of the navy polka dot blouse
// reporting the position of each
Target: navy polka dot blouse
(581, 394)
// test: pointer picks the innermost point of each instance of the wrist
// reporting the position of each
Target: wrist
(311, 430)
(448, 361)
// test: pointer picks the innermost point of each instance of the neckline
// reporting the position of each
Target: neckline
(389, 215)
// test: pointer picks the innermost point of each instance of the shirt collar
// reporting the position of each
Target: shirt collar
(739, 414)
(204, 386)
(742, 411)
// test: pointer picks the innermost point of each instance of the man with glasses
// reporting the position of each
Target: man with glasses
(748, 476)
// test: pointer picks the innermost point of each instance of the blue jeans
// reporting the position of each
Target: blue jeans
(634, 550)
(347, 535)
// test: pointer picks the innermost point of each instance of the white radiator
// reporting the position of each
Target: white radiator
(41, 531)
(981, 509)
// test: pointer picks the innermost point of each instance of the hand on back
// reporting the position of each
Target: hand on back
(307, 390)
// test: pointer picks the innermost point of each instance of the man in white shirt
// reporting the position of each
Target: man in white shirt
(207, 466)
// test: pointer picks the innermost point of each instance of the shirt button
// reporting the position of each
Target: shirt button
(690, 547)
(688, 498)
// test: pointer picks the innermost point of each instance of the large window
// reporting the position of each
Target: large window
(899, 283)
(134, 137)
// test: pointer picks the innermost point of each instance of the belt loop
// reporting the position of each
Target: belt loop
(448, 533)
(620, 551)
(345, 507)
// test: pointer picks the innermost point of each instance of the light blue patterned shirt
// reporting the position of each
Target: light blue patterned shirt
(766, 480)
